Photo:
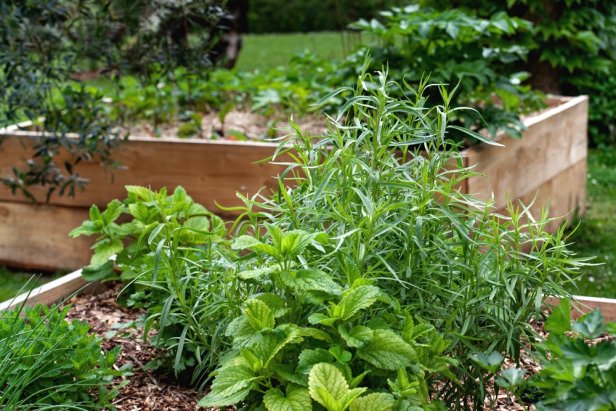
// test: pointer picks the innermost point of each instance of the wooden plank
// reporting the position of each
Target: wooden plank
(582, 305)
(50, 293)
(211, 171)
(564, 195)
(37, 237)
(554, 141)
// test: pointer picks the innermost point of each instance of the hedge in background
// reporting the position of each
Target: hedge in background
(283, 16)
(574, 51)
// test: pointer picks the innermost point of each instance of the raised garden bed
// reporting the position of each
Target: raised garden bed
(119, 326)
(548, 163)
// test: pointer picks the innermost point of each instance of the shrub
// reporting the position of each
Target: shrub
(384, 187)
(174, 258)
(573, 50)
(48, 362)
(46, 45)
(455, 48)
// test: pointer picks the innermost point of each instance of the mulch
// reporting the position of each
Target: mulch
(156, 389)
(146, 389)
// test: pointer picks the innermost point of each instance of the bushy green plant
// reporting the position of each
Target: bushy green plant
(576, 372)
(375, 218)
(314, 337)
(455, 48)
(384, 186)
(47, 362)
(175, 260)
(573, 50)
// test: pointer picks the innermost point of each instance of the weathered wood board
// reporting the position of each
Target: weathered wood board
(548, 164)
(211, 171)
(555, 141)
(36, 237)
(50, 293)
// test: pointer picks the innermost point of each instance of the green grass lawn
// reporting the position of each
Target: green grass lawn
(596, 234)
(14, 282)
(263, 51)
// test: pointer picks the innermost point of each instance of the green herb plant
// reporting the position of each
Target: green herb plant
(384, 186)
(578, 364)
(341, 345)
(176, 263)
(47, 362)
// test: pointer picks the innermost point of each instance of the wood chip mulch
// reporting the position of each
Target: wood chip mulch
(146, 390)
(156, 390)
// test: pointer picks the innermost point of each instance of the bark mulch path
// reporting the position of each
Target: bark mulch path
(146, 390)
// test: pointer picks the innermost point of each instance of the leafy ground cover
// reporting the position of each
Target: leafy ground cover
(596, 235)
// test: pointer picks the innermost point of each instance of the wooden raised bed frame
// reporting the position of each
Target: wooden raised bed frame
(64, 287)
(548, 164)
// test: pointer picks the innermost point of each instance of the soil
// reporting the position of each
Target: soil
(238, 125)
(146, 390)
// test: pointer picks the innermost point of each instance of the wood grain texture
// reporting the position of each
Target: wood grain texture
(210, 171)
(554, 141)
(582, 305)
(563, 195)
(36, 237)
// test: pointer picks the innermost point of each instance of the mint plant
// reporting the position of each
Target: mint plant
(175, 260)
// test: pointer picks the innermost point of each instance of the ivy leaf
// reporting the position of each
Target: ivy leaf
(296, 399)
(328, 387)
(377, 401)
(355, 300)
(231, 385)
(590, 325)
(490, 362)
(559, 321)
(387, 350)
